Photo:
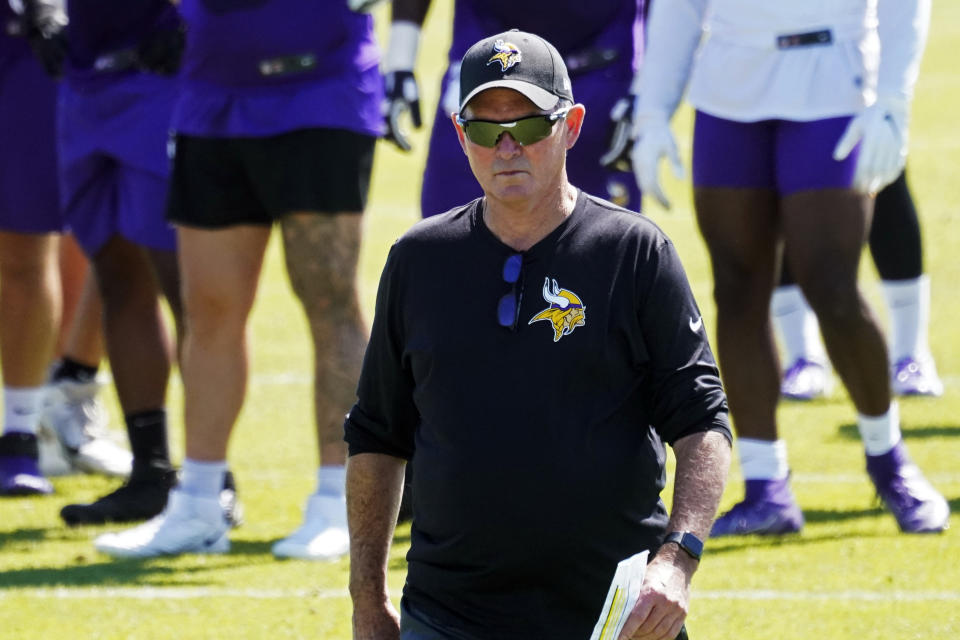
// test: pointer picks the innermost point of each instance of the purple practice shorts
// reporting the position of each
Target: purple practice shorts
(785, 155)
(114, 167)
(449, 182)
(29, 200)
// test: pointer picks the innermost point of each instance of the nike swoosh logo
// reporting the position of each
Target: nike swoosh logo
(765, 525)
(695, 326)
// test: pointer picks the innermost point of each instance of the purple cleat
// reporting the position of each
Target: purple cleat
(805, 380)
(19, 472)
(768, 508)
(913, 377)
(917, 506)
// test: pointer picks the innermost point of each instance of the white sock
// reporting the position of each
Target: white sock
(332, 480)
(908, 302)
(880, 433)
(21, 409)
(763, 459)
(797, 325)
(202, 479)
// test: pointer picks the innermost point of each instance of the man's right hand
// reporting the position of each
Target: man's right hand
(402, 96)
(620, 138)
(44, 22)
(376, 621)
(881, 131)
(162, 52)
(400, 86)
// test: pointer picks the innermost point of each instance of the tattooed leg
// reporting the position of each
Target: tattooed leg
(321, 255)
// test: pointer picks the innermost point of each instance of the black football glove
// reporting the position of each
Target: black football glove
(44, 22)
(620, 138)
(402, 95)
(162, 52)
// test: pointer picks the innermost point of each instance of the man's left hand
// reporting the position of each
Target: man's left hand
(402, 96)
(363, 6)
(664, 598)
(621, 136)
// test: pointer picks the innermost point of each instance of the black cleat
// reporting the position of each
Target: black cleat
(141, 498)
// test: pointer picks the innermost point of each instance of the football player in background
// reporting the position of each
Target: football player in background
(116, 97)
(276, 121)
(72, 434)
(897, 250)
(816, 103)
(29, 241)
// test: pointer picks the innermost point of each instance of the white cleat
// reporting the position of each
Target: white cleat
(188, 525)
(73, 412)
(53, 460)
(323, 534)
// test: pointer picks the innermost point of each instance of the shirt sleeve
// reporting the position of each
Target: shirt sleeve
(684, 389)
(384, 418)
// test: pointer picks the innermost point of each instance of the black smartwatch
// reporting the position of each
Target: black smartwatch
(691, 544)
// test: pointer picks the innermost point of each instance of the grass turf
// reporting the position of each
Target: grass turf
(849, 574)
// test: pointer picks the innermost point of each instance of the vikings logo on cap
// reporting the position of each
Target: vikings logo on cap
(506, 54)
(566, 311)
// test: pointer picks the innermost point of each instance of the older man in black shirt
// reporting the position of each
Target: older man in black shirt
(534, 348)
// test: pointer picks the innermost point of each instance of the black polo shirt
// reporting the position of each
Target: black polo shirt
(539, 449)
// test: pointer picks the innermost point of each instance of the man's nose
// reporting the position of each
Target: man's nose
(507, 147)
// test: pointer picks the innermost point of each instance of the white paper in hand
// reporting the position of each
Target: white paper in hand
(621, 598)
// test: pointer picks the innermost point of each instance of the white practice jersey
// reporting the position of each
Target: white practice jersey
(789, 59)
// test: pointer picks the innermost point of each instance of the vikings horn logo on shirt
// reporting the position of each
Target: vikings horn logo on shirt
(566, 311)
(506, 54)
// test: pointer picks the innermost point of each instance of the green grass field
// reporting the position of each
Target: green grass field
(849, 574)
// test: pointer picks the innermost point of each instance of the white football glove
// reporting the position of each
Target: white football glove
(652, 141)
(620, 135)
(362, 6)
(881, 130)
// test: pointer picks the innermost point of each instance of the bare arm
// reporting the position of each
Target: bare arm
(374, 485)
(703, 460)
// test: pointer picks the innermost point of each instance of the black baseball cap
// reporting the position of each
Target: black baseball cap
(515, 60)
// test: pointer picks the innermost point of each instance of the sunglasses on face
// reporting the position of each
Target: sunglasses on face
(524, 131)
(508, 308)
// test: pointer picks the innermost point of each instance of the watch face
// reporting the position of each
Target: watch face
(690, 543)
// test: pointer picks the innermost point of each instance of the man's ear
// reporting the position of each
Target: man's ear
(574, 123)
(460, 134)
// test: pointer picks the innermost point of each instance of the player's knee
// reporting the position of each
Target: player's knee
(209, 311)
(738, 290)
(836, 304)
(122, 288)
(325, 294)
